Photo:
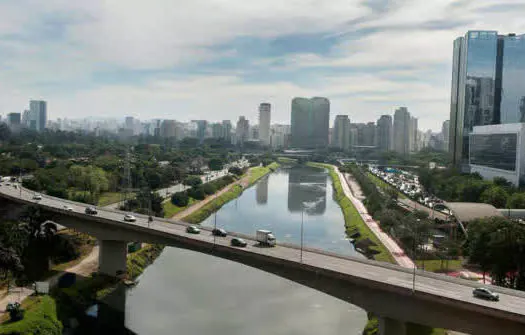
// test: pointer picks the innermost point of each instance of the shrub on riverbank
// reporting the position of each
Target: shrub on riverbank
(352, 218)
(40, 318)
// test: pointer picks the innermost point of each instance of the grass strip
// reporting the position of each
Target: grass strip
(352, 218)
(40, 318)
(170, 209)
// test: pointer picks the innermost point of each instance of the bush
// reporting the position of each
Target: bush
(180, 199)
(235, 170)
(209, 189)
(197, 193)
(41, 318)
(192, 181)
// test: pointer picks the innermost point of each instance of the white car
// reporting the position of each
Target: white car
(68, 208)
(129, 218)
(37, 197)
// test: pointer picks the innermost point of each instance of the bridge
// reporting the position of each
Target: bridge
(384, 289)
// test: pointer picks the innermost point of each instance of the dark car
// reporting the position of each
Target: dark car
(485, 293)
(219, 232)
(238, 242)
(91, 210)
(193, 230)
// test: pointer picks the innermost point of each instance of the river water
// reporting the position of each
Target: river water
(184, 292)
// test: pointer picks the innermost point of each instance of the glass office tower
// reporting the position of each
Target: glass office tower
(474, 100)
(513, 79)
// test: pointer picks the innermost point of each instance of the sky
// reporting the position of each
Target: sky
(218, 59)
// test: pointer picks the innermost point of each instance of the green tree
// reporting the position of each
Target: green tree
(496, 196)
(516, 200)
(180, 199)
(197, 193)
(193, 181)
(215, 164)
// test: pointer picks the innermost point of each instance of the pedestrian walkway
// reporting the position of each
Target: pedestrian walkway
(395, 250)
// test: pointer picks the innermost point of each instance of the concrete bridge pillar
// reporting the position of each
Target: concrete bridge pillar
(388, 326)
(112, 257)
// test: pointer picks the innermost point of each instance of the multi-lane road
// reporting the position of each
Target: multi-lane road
(440, 286)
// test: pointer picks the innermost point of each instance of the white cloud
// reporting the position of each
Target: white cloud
(58, 49)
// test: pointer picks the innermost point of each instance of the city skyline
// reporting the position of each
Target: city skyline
(141, 60)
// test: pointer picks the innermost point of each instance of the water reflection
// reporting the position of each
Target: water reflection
(276, 203)
(307, 190)
(261, 191)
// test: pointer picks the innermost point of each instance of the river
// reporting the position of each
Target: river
(184, 292)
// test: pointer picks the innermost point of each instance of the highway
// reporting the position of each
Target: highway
(457, 291)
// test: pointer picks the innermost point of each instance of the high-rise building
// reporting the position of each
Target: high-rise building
(217, 130)
(227, 130)
(280, 137)
(487, 86)
(13, 121)
(413, 135)
(242, 132)
(265, 110)
(354, 132)
(200, 128)
(341, 133)
(25, 118)
(384, 133)
(401, 130)
(310, 122)
(445, 133)
(37, 115)
(129, 122)
(168, 128)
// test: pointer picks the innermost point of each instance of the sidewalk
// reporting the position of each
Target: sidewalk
(394, 249)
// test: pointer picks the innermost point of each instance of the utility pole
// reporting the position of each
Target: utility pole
(302, 224)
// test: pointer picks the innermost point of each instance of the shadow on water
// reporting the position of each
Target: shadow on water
(81, 313)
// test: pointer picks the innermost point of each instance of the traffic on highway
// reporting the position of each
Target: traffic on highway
(440, 286)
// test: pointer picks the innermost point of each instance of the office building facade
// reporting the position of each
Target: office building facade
(384, 133)
(487, 86)
(445, 134)
(401, 130)
(310, 123)
(341, 133)
(265, 110)
(498, 151)
(227, 130)
(242, 132)
(413, 138)
(37, 115)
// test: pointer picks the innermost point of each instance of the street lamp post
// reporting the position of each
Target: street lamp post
(302, 224)
(415, 258)
(215, 222)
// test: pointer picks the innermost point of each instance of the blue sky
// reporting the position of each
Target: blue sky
(217, 59)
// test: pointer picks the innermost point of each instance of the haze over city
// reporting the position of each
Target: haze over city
(207, 60)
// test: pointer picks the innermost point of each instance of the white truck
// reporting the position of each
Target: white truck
(265, 237)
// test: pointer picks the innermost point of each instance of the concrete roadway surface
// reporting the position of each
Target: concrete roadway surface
(431, 284)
